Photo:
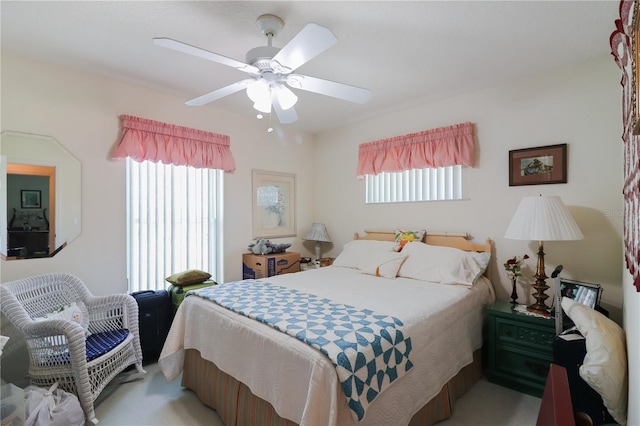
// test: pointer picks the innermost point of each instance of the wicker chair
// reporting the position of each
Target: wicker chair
(84, 354)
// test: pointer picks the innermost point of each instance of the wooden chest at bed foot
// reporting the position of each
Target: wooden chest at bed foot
(519, 348)
(177, 293)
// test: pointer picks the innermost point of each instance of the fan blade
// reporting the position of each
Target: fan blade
(285, 116)
(329, 88)
(311, 41)
(204, 54)
(219, 93)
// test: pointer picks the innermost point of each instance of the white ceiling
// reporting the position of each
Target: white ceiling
(405, 52)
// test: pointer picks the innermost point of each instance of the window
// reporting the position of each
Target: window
(174, 222)
(424, 166)
(430, 184)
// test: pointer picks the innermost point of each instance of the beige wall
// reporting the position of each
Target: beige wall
(81, 111)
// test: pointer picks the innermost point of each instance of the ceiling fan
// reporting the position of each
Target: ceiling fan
(272, 69)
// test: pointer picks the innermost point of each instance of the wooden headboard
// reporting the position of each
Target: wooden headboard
(447, 239)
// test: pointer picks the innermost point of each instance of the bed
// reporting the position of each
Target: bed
(251, 373)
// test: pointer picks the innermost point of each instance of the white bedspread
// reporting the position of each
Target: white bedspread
(443, 321)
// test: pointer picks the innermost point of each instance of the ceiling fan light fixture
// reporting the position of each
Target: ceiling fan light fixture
(263, 107)
(270, 68)
(286, 97)
(259, 91)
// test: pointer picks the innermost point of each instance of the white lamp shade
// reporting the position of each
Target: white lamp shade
(543, 218)
(318, 232)
(286, 97)
(259, 91)
(262, 107)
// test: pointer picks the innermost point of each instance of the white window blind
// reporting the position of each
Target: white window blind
(442, 183)
(174, 222)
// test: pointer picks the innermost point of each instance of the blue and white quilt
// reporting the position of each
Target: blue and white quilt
(369, 350)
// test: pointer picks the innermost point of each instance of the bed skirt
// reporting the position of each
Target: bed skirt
(236, 405)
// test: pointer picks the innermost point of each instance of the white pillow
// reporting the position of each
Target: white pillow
(358, 253)
(76, 312)
(445, 265)
(481, 258)
(384, 264)
(605, 365)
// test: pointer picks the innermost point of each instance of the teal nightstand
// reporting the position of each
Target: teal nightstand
(520, 348)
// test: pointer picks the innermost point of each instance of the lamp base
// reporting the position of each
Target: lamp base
(538, 308)
(540, 286)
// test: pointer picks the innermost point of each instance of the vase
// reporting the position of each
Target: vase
(514, 292)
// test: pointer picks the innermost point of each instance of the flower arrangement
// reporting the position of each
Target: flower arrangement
(513, 266)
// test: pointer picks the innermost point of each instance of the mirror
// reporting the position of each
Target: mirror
(40, 208)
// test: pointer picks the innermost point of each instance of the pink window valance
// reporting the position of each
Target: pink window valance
(441, 147)
(144, 139)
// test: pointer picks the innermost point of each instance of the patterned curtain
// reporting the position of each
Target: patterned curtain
(625, 46)
(441, 147)
(144, 139)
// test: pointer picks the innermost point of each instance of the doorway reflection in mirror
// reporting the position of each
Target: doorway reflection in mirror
(40, 206)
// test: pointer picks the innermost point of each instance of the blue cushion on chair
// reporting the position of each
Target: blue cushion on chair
(97, 345)
(100, 343)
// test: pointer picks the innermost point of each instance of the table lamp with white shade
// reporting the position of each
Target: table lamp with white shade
(542, 218)
(318, 233)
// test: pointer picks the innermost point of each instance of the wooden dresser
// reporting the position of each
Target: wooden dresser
(33, 242)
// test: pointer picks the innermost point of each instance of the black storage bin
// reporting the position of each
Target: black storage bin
(570, 355)
(155, 315)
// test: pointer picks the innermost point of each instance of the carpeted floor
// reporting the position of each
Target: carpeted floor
(155, 402)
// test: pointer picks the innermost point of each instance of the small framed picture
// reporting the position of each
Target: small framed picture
(30, 199)
(586, 293)
(539, 165)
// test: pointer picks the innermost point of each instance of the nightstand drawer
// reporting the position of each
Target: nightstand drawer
(518, 363)
(519, 348)
(525, 335)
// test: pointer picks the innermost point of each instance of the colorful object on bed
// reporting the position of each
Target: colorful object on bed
(369, 350)
(404, 237)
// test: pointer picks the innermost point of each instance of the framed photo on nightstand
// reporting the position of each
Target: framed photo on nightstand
(586, 293)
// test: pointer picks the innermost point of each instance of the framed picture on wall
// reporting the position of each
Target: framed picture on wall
(274, 204)
(539, 165)
(30, 199)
